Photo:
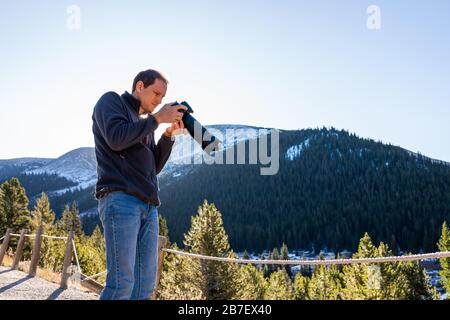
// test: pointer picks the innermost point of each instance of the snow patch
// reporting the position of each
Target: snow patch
(78, 165)
(295, 151)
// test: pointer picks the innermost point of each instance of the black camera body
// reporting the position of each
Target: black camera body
(211, 143)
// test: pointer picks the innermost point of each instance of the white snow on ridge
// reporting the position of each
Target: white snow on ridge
(31, 163)
(294, 151)
(78, 165)
(80, 186)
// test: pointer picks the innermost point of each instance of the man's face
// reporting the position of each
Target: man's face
(151, 96)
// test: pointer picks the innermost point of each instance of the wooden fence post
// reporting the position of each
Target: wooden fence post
(67, 261)
(36, 252)
(162, 242)
(5, 245)
(19, 250)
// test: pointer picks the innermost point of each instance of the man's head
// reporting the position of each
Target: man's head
(149, 87)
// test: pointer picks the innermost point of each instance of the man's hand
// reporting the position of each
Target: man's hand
(175, 129)
(169, 113)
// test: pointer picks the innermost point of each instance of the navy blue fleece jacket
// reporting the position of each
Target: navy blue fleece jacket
(127, 157)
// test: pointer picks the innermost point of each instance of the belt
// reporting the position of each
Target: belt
(104, 191)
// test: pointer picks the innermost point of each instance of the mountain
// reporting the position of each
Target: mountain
(332, 186)
(78, 166)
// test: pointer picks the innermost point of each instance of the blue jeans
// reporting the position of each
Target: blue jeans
(131, 235)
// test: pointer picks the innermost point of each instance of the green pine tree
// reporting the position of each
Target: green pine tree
(362, 281)
(325, 284)
(163, 229)
(42, 214)
(273, 267)
(207, 236)
(285, 256)
(444, 245)
(251, 284)
(279, 286)
(70, 220)
(13, 208)
(383, 281)
(301, 287)
(176, 278)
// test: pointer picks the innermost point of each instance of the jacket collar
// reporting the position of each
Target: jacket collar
(133, 102)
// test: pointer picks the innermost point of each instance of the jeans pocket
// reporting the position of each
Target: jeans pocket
(102, 207)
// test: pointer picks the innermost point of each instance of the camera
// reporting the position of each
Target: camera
(208, 141)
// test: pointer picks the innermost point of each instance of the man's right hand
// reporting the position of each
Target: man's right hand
(169, 113)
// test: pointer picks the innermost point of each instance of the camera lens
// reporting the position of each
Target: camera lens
(208, 141)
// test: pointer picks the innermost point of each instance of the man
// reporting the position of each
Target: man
(128, 161)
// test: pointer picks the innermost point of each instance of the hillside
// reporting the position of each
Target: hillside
(332, 186)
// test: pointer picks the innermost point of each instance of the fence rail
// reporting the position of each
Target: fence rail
(414, 257)
(70, 253)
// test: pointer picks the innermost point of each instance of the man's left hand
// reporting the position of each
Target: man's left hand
(175, 129)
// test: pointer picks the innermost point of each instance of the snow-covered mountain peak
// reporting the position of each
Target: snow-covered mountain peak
(78, 165)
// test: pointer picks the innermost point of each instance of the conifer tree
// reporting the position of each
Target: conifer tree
(163, 229)
(279, 286)
(325, 284)
(285, 256)
(177, 276)
(394, 280)
(273, 256)
(70, 220)
(13, 207)
(42, 214)
(207, 236)
(444, 245)
(361, 281)
(251, 284)
(301, 287)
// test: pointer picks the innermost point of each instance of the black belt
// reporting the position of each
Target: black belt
(104, 191)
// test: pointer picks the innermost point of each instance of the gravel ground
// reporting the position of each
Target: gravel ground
(17, 285)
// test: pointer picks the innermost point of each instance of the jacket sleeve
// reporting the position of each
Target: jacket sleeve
(162, 152)
(118, 132)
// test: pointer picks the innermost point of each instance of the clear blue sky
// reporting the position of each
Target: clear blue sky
(283, 64)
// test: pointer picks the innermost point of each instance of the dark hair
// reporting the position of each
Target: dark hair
(148, 78)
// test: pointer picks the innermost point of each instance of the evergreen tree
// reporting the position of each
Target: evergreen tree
(285, 256)
(412, 283)
(279, 286)
(13, 207)
(325, 284)
(394, 280)
(251, 283)
(70, 220)
(301, 287)
(264, 267)
(91, 253)
(42, 214)
(444, 245)
(362, 281)
(163, 230)
(207, 236)
(273, 256)
(177, 276)
(98, 239)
